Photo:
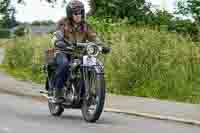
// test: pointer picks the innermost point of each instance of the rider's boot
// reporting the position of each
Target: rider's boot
(58, 95)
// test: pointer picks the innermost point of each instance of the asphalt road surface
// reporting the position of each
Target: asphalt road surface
(24, 115)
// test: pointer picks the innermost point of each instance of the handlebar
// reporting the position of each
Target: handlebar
(72, 46)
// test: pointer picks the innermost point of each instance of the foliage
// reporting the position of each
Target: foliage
(4, 33)
(189, 8)
(185, 27)
(49, 22)
(20, 30)
(135, 10)
(8, 14)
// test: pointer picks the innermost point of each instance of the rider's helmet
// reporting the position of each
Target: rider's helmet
(75, 7)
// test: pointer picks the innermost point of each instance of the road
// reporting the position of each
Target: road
(25, 115)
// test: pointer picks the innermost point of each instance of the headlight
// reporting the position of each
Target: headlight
(92, 50)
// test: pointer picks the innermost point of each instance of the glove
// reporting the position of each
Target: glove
(60, 44)
(106, 50)
(58, 37)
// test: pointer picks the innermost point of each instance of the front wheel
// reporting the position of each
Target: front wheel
(93, 105)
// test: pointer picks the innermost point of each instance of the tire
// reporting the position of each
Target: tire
(55, 109)
(100, 93)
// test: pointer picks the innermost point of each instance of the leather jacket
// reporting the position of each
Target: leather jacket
(66, 31)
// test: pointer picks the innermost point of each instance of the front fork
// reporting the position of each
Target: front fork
(86, 73)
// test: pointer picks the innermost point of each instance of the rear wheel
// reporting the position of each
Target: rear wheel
(93, 104)
(55, 109)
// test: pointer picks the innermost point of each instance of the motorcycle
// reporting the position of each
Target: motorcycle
(85, 88)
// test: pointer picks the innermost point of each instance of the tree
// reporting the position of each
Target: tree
(47, 22)
(133, 9)
(162, 17)
(49, 1)
(8, 14)
(189, 8)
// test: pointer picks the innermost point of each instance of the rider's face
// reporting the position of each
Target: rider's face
(77, 17)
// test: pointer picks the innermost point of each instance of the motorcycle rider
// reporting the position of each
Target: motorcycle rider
(73, 28)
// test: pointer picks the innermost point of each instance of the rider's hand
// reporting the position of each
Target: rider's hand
(106, 50)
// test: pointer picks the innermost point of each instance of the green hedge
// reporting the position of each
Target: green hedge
(20, 31)
(4, 33)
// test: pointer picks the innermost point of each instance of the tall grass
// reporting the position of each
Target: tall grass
(24, 57)
(154, 64)
(143, 62)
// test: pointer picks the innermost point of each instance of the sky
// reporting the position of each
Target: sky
(36, 10)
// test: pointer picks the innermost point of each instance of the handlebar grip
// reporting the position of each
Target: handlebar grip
(106, 50)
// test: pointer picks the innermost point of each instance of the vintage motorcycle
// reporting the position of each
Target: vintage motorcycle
(85, 88)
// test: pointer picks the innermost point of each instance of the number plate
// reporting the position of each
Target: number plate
(89, 61)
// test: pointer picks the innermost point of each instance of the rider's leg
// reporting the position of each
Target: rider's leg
(61, 74)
